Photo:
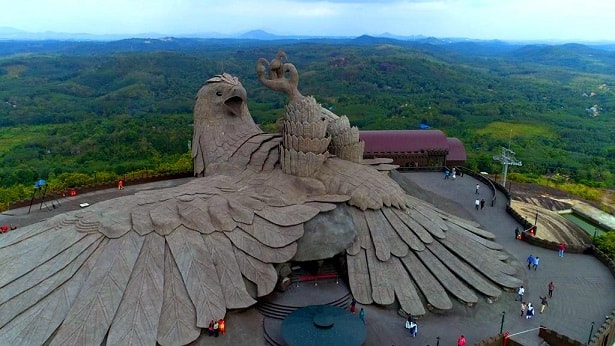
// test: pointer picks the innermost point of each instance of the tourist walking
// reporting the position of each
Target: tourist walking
(353, 304)
(221, 326)
(536, 261)
(561, 248)
(210, 329)
(523, 307)
(477, 203)
(551, 288)
(530, 261)
(461, 341)
(482, 203)
(216, 329)
(517, 233)
(411, 324)
(520, 292)
(476, 191)
(530, 311)
(543, 303)
(362, 315)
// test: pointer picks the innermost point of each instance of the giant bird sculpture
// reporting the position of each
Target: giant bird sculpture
(157, 266)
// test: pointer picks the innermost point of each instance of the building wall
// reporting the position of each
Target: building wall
(413, 159)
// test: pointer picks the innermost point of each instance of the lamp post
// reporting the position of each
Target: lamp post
(502, 323)
(591, 331)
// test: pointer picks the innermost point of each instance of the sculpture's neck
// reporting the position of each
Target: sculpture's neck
(230, 152)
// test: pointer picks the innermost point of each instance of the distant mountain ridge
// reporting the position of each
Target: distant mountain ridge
(596, 59)
(9, 33)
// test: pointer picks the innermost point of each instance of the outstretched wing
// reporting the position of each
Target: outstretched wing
(153, 267)
(408, 250)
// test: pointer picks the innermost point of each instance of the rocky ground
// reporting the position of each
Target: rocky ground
(540, 204)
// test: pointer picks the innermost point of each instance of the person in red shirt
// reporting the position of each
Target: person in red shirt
(353, 305)
(551, 288)
(4, 228)
(461, 341)
(221, 326)
(561, 248)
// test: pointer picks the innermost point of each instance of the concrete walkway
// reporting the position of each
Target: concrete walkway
(584, 288)
(584, 293)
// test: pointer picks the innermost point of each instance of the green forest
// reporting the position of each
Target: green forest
(98, 110)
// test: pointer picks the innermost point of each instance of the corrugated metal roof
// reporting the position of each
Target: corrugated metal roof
(403, 140)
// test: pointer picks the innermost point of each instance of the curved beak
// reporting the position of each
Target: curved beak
(234, 103)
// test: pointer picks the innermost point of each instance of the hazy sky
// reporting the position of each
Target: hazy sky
(569, 20)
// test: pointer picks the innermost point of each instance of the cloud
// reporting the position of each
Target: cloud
(483, 19)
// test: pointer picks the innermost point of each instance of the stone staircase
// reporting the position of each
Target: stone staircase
(307, 288)
(280, 311)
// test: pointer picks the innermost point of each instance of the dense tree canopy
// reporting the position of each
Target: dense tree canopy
(124, 106)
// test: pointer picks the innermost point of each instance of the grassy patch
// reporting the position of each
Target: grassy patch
(500, 130)
(13, 136)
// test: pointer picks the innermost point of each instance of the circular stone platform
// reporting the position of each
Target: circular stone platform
(317, 325)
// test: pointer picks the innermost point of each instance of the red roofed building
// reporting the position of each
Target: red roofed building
(456, 152)
(414, 148)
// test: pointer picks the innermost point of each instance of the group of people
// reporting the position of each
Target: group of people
(216, 328)
(353, 309)
(479, 203)
(532, 262)
(448, 174)
(527, 309)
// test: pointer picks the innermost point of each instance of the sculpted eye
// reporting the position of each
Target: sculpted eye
(219, 93)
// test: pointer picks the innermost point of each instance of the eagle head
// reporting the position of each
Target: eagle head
(220, 99)
(222, 121)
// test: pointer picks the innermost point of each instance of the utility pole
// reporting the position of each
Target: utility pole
(507, 158)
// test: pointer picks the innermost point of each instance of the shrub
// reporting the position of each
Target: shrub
(606, 243)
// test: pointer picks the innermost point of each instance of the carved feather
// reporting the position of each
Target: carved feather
(195, 263)
(92, 312)
(178, 314)
(262, 252)
(235, 294)
(260, 273)
(136, 320)
(272, 235)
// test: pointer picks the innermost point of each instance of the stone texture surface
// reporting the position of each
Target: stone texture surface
(192, 252)
(326, 235)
